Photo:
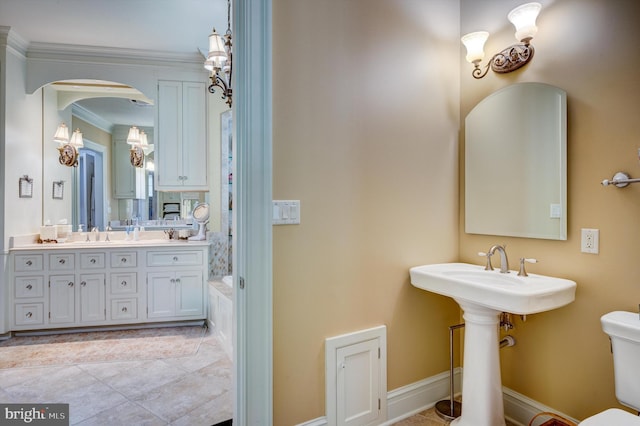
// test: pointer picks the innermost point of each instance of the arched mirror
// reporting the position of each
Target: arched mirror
(516, 163)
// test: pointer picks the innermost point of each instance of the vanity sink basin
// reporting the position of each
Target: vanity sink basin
(494, 290)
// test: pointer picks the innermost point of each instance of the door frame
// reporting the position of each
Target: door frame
(252, 236)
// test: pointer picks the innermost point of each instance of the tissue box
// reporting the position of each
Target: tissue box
(48, 233)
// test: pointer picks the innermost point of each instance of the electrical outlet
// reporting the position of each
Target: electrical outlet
(590, 241)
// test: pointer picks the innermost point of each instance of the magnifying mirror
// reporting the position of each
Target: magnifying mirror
(200, 214)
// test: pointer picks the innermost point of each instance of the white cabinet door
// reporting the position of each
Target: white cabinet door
(176, 294)
(194, 140)
(181, 151)
(189, 296)
(62, 299)
(358, 384)
(92, 297)
(161, 294)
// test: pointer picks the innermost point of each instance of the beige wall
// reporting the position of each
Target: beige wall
(365, 113)
(588, 48)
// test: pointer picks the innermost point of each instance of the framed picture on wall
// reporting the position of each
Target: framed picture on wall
(25, 187)
(58, 189)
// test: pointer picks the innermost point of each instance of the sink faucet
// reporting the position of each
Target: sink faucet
(96, 233)
(504, 262)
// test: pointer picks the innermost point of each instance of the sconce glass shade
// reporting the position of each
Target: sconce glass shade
(144, 143)
(474, 42)
(133, 138)
(62, 134)
(217, 53)
(524, 19)
(76, 139)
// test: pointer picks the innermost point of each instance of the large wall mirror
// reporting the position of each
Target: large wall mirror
(104, 188)
(516, 163)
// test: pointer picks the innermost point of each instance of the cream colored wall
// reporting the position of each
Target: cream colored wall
(365, 129)
(588, 48)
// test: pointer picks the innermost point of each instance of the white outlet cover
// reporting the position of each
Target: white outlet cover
(590, 241)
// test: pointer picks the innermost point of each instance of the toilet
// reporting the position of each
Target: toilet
(624, 330)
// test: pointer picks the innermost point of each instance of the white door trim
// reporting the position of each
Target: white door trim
(252, 256)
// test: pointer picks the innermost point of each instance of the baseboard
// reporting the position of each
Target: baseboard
(411, 399)
(419, 396)
(519, 409)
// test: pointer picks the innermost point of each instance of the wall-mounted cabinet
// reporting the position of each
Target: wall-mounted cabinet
(181, 149)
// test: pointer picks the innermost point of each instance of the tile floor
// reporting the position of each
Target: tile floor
(428, 418)
(193, 390)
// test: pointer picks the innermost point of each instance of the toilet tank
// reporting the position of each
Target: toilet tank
(624, 330)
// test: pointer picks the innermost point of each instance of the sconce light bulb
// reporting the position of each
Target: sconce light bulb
(523, 19)
(474, 42)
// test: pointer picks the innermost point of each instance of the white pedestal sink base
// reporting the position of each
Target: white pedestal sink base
(482, 403)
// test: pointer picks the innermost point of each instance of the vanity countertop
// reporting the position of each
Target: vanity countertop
(117, 240)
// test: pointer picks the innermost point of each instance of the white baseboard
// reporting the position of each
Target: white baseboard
(411, 399)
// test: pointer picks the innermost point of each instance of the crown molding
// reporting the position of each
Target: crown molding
(91, 118)
(111, 55)
(13, 41)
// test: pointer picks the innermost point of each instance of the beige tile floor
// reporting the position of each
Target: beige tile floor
(193, 390)
(427, 418)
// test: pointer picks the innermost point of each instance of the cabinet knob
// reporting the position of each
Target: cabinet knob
(61, 261)
(175, 258)
(124, 309)
(29, 263)
(70, 284)
(178, 280)
(93, 261)
(123, 260)
(123, 283)
(83, 283)
(173, 280)
(29, 287)
(29, 315)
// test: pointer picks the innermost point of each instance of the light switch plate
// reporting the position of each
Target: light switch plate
(286, 212)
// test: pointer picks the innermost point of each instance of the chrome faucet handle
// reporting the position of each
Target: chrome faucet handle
(523, 272)
(488, 266)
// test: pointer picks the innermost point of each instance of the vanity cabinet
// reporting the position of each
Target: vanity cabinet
(175, 284)
(107, 284)
(181, 149)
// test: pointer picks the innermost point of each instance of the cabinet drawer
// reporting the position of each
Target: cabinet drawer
(28, 262)
(180, 258)
(26, 287)
(92, 260)
(124, 283)
(124, 309)
(124, 259)
(29, 313)
(62, 262)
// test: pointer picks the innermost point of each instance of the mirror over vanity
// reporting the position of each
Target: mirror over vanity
(516, 163)
(105, 187)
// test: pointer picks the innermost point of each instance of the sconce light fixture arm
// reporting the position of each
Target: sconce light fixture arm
(508, 60)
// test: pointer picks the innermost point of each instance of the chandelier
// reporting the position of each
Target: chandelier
(218, 60)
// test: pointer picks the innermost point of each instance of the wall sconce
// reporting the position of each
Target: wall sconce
(219, 60)
(513, 57)
(138, 140)
(68, 148)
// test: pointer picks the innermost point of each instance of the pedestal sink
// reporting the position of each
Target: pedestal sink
(483, 295)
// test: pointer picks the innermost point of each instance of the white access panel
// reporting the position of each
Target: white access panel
(356, 393)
